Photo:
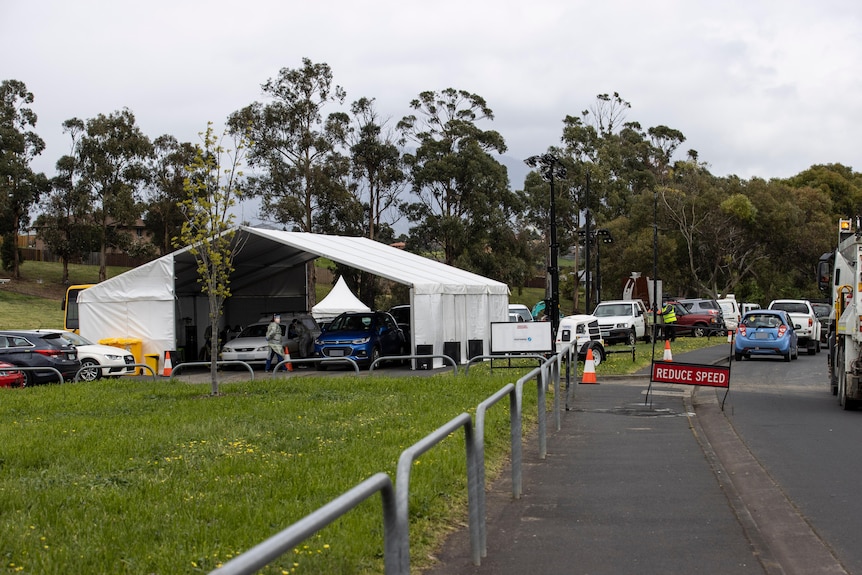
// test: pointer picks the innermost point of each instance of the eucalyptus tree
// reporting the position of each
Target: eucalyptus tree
(843, 185)
(111, 163)
(213, 185)
(65, 223)
(295, 149)
(461, 191)
(20, 186)
(163, 217)
(377, 171)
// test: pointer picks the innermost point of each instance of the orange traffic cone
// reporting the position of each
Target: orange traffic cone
(589, 368)
(668, 356)
(169, 367)
(287, 359)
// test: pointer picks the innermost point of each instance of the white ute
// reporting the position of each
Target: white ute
(623, 321)
(804, 320)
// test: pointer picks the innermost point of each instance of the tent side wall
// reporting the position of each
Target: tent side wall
(138, 304)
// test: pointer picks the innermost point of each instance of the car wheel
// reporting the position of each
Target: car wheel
(633, 338)
(818, 346)
(811, 348)
(787, 356)
(737, 356)
(794, 353)
(698, 331)
(375, 355)
(598, 356)
(28, 378)
(90, 371)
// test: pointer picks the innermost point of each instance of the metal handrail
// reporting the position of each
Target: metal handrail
(46, 368)
(185, 364)
(262, 554)
(77, 377)
(391, 357)
(396, 516)
(506, 391)
(478, 358)
(316, 360)
(402, 481)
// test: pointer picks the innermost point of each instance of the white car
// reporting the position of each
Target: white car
(519, 312)
(250, 345)
(114, 361)
(805, 321)
(731, 313)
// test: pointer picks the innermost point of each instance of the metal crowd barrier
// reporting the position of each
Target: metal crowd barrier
(181, 366)
(100, 368)
(445, 358)
(396, 517)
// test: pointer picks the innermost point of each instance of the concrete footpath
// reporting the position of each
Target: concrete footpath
(627, 487)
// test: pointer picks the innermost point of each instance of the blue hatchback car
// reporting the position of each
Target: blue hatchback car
(766, 332)
(362, 337)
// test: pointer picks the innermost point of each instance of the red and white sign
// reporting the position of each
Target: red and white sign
(690, 374)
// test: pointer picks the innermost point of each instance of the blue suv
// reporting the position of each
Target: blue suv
(362, 337)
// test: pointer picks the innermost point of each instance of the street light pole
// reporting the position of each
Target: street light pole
(588, 290)
(602, 237)
(655, 303)
(550, 167)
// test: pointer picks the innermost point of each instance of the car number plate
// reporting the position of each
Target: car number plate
(336, 353)
(244, 356)
(761, 335)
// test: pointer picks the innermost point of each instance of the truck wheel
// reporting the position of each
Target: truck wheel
(598, 356)
(633, 338)
(818, 346)
(812, 349)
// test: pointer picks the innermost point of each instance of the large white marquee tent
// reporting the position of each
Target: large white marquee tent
(161, 304)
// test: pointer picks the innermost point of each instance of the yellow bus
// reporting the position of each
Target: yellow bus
(71, 319)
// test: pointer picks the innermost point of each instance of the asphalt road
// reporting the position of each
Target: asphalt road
(793, 425)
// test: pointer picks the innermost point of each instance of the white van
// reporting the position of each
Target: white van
(732, 314)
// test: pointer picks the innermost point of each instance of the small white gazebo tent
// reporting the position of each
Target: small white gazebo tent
(338, 301)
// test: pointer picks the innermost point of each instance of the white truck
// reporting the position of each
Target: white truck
(623, 321)
(585, 330)
(839, 275)
(805, 321)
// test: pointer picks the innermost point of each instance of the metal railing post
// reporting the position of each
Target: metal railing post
(402, 483)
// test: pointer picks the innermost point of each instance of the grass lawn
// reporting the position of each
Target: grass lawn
(137, 476)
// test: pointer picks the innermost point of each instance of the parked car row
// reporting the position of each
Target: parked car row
(69, 353)
(47, 350)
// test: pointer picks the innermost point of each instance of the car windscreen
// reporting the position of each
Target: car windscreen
(790, 307)
(351, 323)
(257, 330)
(612, 310)
(762, 320)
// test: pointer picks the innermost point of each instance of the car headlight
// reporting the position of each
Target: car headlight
(227, 349)
(112, 357)
(361, 341)
(622, 325)
(262, 348)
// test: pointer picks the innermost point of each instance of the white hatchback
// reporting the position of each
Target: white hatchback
(98, 360)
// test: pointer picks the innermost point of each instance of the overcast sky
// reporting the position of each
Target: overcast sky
(759, 87)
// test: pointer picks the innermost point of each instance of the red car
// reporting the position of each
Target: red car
(9, 376)
(697, 323)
